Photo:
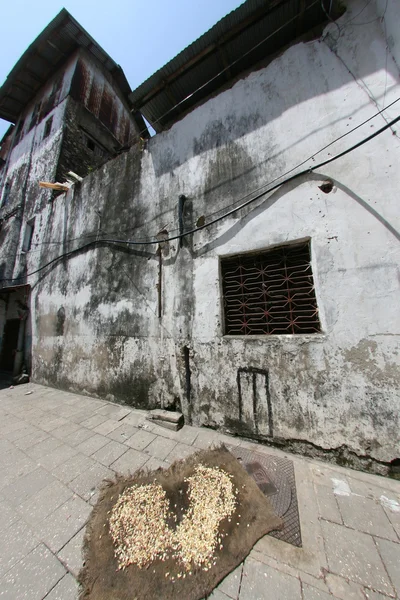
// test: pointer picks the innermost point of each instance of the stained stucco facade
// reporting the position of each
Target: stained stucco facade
(145, 326)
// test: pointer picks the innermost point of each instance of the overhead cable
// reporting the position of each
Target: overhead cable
(94, 234)
(216, 220)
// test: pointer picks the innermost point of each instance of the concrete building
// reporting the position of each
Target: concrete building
(151, 283)
(68, 102)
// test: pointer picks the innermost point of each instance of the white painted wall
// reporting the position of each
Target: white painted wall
(336, 389)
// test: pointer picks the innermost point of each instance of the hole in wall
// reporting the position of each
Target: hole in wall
(395, 467)
(326, 186)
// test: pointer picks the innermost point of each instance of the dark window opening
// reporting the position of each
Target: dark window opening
(47, 127)
(90, 144)
(271, 292)
(35, 116)
(18, 133)
(6, 194)
(27, 243)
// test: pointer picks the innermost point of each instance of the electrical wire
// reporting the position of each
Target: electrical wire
(216, 220)
(95, 233)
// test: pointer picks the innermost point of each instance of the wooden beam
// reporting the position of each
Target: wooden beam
(60, 187)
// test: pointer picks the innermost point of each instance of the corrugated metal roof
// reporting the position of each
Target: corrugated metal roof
(42, 59)
(247, 35)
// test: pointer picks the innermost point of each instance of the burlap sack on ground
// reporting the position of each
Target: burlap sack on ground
(100, 578)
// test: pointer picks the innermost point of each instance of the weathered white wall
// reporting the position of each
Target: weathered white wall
(95, 324)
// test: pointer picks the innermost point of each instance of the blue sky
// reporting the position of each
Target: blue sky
(139, 35)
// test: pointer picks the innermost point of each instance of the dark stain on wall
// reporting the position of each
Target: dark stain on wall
(257, 382)
(60, 321)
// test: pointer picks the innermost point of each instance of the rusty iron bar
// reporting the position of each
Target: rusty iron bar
(271, 292)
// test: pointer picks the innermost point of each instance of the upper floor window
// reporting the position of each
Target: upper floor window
(47, 127)
(6, 194)
(270, 292)
(94, 146)
(18, 133)
(35, 115)
(27, 243)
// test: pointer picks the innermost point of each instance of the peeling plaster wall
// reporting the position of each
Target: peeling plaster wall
(95, 325)
(33, 154)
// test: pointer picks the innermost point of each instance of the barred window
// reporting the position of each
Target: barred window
(271, 292)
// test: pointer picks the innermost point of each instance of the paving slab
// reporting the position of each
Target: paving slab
(122, 432)
(15, 542)
(106, 427)
(218, 595)
(129, 462)
(113, 411)
(82, 414)
(31, 439)
(206, 438)
(231, 584)
(57, 457)
(71, 555)
(66, 589)
(260, 582)
(43, 448)
(140, 440)
(61, 525)
(390, 554)
(18, 468)
(33, 577)
(16, 431)
(78, 436)
(92, 444)
(65, 430)
(86, 484)
(366, 514)
(52, 423)
(312, 593)
(393, 516)
(353, 554)
(109, 453)
(186, 435)
(93, 421)
(8, 515)
(344, 589)
(65, 410)
(327, 504)
(43, 503)
(26, 486)
(155, 463)
(180, 451)
(73, 467)
(160, 448)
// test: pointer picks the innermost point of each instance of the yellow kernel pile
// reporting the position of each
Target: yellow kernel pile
(212, 499)
(139, 523)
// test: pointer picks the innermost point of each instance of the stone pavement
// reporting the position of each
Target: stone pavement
(56, 447)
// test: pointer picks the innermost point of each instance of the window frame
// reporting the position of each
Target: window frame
(314, 335)
(48, 127)
(27, 243)
(5, 198)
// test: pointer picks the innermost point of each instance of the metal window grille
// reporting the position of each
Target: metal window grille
(271, 292)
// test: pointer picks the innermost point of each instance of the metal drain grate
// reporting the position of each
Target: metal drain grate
(275, 478)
